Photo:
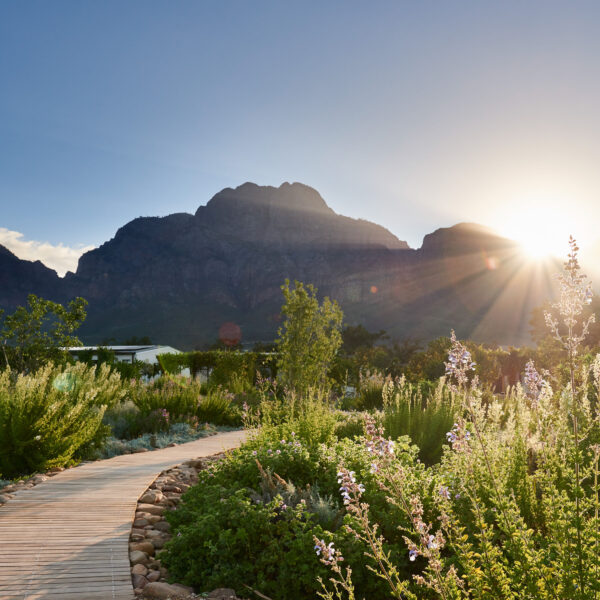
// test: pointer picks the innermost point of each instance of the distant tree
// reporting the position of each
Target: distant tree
(137, 341)
(219, 344)
(309, 338)
(134, 340)
(38, 333)
(429, 364)
(264, 347)
(355, 337)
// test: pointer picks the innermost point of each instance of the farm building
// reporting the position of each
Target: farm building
(147, 353)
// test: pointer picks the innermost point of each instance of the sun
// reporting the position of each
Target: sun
(540, 228)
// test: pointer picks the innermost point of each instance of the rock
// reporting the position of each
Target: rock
(163, 526)
(3, 498)
(171, 445)
(222, 594)
(167, 503)
(154, 564)
(139, 450)
(164, 573)
(139, 581)
(151, 497)
(184, 589)
(140, 523)
(139, 569)
(158, 543)
(163, 591)
(137, 537)
(153, 576)
(153, 519)
(151, 508)
(137, 557)
(146, 547)
(39, 479)
(152, 534)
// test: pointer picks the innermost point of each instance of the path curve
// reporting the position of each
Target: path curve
(68, 538)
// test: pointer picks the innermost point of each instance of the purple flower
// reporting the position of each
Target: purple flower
(444, 492)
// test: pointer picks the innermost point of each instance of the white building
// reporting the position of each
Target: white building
(146, 353)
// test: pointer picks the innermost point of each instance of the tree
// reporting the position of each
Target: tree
(309, 338)
(39, 332)
(357, 337)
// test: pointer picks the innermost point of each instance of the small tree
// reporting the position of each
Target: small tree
(309, 338)
(37, 333)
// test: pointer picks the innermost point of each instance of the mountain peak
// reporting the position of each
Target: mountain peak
(295, 196)
(463, 237)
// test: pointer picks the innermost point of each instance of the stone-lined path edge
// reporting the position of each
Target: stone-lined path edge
(69, 537)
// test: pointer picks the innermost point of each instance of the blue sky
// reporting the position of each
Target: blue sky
(415, 115)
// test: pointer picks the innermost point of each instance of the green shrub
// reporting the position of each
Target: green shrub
(172, 399)
(217, 407)
(424, 418)
(252, 518)
(231, 541)
(178, 395)
(370, 390)
(50, 417)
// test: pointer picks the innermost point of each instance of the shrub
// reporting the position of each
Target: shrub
(50, 417)
(370, 390)
(217, 407)
(231, 540)
(252, 518)
(424, 418)
(178, 395)
(171, 399)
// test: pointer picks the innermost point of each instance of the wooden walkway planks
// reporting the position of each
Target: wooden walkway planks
(68, 538)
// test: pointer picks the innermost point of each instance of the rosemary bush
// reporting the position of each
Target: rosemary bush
(52, 416)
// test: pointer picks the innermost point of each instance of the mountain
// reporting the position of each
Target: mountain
(18, 278)
(178, 278)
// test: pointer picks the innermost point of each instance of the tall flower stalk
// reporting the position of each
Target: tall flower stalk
(570, 330)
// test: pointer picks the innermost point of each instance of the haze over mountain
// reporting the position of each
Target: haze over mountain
(178, 278)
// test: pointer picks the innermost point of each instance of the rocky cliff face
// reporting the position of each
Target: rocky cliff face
(18, 278)
(178, 278)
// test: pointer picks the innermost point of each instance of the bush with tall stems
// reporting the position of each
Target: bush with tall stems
(512, 509)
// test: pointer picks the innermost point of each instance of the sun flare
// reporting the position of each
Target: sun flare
(540, 228)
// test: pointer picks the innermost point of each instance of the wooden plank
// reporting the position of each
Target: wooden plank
(68, 538)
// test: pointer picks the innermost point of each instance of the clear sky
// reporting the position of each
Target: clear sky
(414, 115)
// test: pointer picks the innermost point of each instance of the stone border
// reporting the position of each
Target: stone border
(150, 531)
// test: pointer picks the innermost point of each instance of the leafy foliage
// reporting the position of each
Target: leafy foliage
(39, 332)
(50, 417)
(309, 338)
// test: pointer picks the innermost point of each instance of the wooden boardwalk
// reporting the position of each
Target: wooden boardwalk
(68, 538)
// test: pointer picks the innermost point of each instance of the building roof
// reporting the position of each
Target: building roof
(117, 349)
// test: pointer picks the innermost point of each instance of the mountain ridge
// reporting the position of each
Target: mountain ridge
(179, 277)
